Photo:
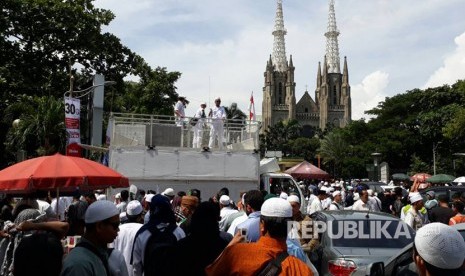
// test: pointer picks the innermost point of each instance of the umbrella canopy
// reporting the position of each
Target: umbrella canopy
(59, 171)
(460, 179)
(421, 177)
(400, 176)
(307, 170)
(441, 178)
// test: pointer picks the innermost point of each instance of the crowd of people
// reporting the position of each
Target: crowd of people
(176, 233)
(409, 206)
(151, 234)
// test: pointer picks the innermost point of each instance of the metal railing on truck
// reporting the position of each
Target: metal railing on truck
(166, 131)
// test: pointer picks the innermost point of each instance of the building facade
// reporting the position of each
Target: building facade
(331, 103)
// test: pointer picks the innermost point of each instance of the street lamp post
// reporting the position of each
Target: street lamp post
(376, 156)
(457, 154)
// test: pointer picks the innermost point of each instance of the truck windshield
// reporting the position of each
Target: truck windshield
(278, 185)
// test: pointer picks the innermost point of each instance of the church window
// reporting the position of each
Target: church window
(306, 110)
(280, 93)
(334, 95)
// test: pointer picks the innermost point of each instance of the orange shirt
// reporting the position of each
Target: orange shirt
(457, 219)
(250, 258)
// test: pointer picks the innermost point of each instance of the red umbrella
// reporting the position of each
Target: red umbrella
(59, 171)
(307, 170)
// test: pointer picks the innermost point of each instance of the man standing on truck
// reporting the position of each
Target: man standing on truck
(198, 122)
(179, 110)
(217, 115)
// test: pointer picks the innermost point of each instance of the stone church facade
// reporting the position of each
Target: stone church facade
(331, 104)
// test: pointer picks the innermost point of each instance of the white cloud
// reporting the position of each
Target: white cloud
(453, 68)
(368, 94)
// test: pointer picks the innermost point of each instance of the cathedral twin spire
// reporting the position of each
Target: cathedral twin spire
(279, 46)
(332, 45)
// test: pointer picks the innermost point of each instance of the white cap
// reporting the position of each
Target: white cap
(225, 200)
(283, 195)
(148, 197)
(370, 192)
(414, 197)
(100, 210)
(118, 195)
(134, 208)
(203, 103)
(218, 98)
(350, 188)
(101, 197)
(440, 245)
(336, 193)
(123, 217)
(168, 192)
(293, 198)
(276, 207)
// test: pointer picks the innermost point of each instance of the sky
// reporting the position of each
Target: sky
(221, 46)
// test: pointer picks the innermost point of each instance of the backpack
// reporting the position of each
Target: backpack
(160, 251)
(273, 266)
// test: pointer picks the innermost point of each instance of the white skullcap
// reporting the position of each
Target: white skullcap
(370, 192)
(350, 188)
(225, 200)
(134, 208)
(440, 245)
(218, 98)
(101, 197)
(293, 198)
(326, 183)
(148, 197)
(168, 192)
(123, 217)
(330, 190)
(100, 210)
(283, 195)
(276, 207)
(336, 193)
(323, 188)
(333, 185)
(414, 197)
(203, 103)
(118, 195)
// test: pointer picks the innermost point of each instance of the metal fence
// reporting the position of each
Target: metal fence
(167, 131)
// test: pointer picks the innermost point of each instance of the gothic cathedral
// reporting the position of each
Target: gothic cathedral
(332, 104)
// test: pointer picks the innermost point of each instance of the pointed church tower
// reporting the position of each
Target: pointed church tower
(279, 87)
(345, 97)
(333, 91)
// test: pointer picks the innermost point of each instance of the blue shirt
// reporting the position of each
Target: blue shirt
(252, 224)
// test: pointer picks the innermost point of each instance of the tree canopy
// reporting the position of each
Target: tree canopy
(40, 40)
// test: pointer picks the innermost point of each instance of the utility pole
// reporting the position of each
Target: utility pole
(71, 79)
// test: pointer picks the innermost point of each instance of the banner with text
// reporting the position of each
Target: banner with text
(72, 119)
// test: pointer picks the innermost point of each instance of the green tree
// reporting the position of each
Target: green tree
(333, 149)
(278, 136)
(305, 147)
(41, 130)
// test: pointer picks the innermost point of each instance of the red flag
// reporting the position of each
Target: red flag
(252, 116)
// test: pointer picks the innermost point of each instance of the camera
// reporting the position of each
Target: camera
(243, 232)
